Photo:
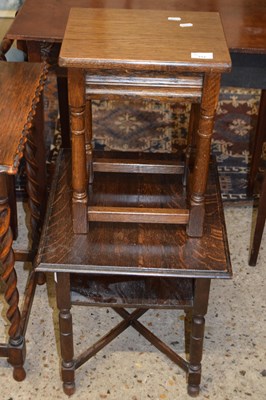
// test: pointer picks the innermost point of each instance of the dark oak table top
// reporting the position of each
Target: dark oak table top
(128, 248)
(244, 21)
(20, 88)
(135, 39)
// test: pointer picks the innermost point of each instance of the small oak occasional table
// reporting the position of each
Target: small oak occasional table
(130, 55)
(130, 265)
(21, 85)
(118, 229)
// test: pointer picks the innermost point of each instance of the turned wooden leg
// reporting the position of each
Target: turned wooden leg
(66, 332)
(260, 136)
(76, 91)
(201, 297)
(259, 227)
(187, 330)
(16, 348)
(63, 110)
(209, 103)
(88, 140)
(191, 140)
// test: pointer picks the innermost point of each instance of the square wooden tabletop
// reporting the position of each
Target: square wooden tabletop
(152, 40)
(131, 248)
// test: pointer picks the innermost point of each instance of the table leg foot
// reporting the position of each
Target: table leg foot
(16, 357)
(41, 278)
(19, 374)
(69, 388)
(193, 390)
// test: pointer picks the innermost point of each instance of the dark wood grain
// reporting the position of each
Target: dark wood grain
(160, 84)
(140, 249)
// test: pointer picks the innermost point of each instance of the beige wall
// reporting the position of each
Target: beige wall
(4, 25)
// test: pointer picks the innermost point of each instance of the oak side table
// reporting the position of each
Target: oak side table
(132, 266)
(133, 54)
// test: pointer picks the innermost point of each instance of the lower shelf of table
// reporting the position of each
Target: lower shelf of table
(136, 292)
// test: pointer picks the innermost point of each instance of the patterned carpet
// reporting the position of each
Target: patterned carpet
(234, 132)
(152, 126)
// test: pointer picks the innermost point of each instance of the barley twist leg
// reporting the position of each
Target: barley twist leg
(16, 351)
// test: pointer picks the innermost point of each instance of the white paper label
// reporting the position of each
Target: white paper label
(187, 25)
(174, 19)
(204, 56)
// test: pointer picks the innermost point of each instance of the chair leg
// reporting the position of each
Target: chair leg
(66, 332)
(259, 225)
(258, 142)
(201, 297)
